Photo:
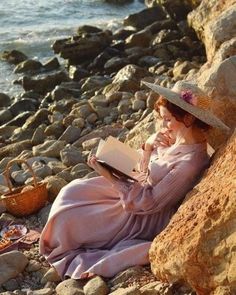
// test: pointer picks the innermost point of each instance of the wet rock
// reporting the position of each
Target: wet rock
(71, 134)
(52, 64)
(44, 85)
(11, 264)
(145, 17)
(76, 73)
(119, 1)
(96, 286)
(28, 65)
(40, 117)
(54, 185)
(4, 100)
(122, 33)
(70, 287)
(86, 29)
(13, 56)
(50, 148)
(71, 156)
(202, 224)
(80, 48)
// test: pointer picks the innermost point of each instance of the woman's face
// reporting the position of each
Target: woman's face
(169, 123)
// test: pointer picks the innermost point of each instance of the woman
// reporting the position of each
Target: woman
(104, 225)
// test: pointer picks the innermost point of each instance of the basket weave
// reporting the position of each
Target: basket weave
(24, 203)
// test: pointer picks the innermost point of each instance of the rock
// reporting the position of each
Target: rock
(139, 39)
(80, 170)
(145, 17)
(115, 64)
(227, 49)
(63, 92)
(13, 56)
(4, 100)
(22, 105)
(133, 290)
(96, 286)
(45, 291)
(82, 111)
(28, 65)
(44, 85)
(71, 156)
(51, 276)
(91, 143)
(85, 29)
(130, 72)
(40, 117)
(5, 117)
(182, 68)
(56, 129)
(102, 132)
(80, 48)
(51, 64)
(39, 135)
(95, 82)
(70, 287)
(79, 122)
(197, 245)
(71, 134)
(33, 265)
(44, 213)
(138, 104)
(50, 148)
(54, 185)
(76, 73)
(14, 149)
(11, 285)
(11, 264)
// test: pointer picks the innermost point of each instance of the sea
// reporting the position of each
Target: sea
(32, 26)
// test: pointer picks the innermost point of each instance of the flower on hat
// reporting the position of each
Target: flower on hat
(189, 97)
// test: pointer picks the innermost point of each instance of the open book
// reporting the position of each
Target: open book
(117, 157)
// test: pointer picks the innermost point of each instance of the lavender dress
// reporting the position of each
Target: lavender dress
(95, 227)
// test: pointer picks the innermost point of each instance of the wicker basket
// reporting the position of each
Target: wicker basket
(24, 203)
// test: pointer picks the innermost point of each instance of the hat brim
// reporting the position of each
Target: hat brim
(174, 97)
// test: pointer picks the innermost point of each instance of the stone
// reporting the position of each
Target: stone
(133, 290)
(91, 143)
(115, 63)
(71, 134)
(96, 286)
(44, 213)
(4, 100)
(51, 64)
(22, 105)
(39, 135)
(70, 287)
(76, 73)
(45, 291)
(54, 185)
(28, 65)
(40, 117)
(95, 82)
(33, 265)
(11, 264)
(13, 56)
(51, 276)
(71, 156)
(14, 149)
(130, 72)
(140, 39)
(197, 247)
(50, 148)
(56, 129)
(82, 111)
(145, 17)
(5, 116)
(138, 104)
(182, 68)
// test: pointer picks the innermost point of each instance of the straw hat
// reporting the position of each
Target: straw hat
(192, 99)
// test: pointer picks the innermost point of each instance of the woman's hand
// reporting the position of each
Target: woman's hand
(158, 139)
(93, 163)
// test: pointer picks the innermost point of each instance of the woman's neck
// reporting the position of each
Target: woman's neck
(190, 135)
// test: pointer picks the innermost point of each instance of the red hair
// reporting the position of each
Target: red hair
(178, 113)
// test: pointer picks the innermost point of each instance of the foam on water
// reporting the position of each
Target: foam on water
(31, 26)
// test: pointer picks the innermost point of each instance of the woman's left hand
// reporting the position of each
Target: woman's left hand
(93, 163)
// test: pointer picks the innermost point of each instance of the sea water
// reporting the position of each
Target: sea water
(31, 26)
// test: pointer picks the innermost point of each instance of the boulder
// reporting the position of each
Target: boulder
(29, 65)
(11, 264)
(4, 100)
(214, 17)
(145, 17)
(13, 56)
(197, 247)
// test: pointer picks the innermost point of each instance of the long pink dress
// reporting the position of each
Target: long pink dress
(99, 228)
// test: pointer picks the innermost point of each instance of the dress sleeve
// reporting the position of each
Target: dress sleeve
(146, 199)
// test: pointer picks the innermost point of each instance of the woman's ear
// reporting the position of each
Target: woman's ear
(189, 120)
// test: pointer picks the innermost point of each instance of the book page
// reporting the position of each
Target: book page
(118, 155)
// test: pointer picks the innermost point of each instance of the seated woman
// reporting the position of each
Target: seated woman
(104, 225)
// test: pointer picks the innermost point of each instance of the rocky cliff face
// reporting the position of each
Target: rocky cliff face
(198, 246)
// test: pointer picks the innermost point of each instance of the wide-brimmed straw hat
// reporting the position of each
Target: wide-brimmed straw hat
(192, 99)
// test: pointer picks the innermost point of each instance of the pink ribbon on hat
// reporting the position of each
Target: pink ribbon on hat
(189, 97)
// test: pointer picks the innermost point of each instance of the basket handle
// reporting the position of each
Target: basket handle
(6, 173)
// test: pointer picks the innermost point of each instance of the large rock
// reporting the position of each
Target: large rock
(214, 22)
(11, 264)
(198, 245)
